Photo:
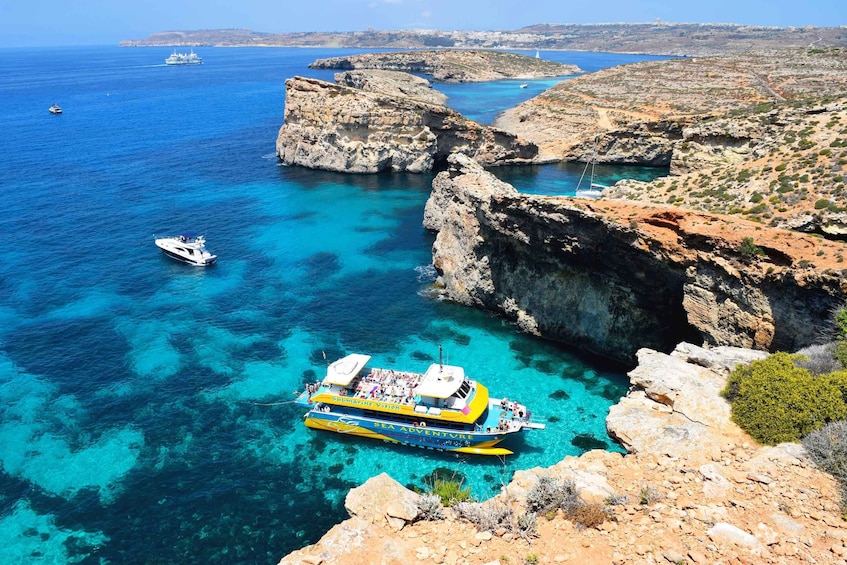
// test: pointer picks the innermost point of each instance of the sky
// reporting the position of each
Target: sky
(25, 23)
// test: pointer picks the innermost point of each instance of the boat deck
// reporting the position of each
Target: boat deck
(387, 385)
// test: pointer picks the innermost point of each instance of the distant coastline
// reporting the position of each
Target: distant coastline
(653, 38)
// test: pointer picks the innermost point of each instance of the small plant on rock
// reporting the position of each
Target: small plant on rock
(616, 499)
(486, 517)
(527, 525)
(827, 447)
(590, 515)
(549, 494)
(650, 495)
(430, 508)
(749, 249)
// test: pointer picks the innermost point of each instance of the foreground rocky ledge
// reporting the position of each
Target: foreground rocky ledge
(609, 276)
(341, 128)
(453, 65)
(724, 499)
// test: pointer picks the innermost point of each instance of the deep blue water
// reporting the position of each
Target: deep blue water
(145, 411)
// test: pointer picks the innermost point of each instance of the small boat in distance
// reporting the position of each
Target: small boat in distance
(55, 109)
(183, 58)
(595, 189)
(524, 85)
(187, 248)
(440, 409)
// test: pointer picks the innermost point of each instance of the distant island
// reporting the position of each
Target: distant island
(659, 38)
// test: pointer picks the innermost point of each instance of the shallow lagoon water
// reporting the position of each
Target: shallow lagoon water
(145, 410)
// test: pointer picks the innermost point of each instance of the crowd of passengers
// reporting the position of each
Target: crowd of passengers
(387, 385)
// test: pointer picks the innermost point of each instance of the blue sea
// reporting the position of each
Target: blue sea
(145, 405)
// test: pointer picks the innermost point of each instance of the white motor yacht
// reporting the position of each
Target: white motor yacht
(55, 109)
(187, 248)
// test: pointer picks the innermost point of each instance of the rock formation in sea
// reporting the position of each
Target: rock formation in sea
(341, 128)
(693, 488)
(610, 277)
(392, 83)
(453, 65)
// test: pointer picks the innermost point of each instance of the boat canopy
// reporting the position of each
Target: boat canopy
(441, 381)
(343, 371)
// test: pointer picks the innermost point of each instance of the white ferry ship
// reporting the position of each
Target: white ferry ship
(183, 58)
(439, 409)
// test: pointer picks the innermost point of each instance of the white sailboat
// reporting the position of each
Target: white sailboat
(594, 189)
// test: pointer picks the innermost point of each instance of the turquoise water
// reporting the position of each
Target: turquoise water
(145, 410)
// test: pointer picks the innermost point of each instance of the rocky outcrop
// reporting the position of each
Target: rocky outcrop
(444, 65)
(392, 83)
(693, 489)
(610, 277)
(339, 128)
(674, 403)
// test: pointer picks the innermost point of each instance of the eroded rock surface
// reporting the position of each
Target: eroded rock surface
(610, 277)
(392, 83)
(451, 65)
(339, 128)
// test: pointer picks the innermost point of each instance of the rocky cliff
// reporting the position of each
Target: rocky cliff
(340, 128)
(610, 277)
(693, 489)
(451, 65)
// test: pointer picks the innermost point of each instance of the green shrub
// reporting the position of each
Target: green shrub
(775, 401)
(749, 249)
(450, 492)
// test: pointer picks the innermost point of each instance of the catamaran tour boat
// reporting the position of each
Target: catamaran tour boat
(183, 58)
(187, 248)
(55, 109)
(440, 409)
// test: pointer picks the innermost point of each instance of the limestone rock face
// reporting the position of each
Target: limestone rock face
(453, 65)
(392, 83)
(567, 270)
(675, 403)
(381, 499)
(339, 128)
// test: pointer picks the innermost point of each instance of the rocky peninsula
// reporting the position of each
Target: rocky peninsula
(693, 489)
(453, 65)
(758, 135)
(379, 125)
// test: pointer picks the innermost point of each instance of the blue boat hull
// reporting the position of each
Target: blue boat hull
(429, 437)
